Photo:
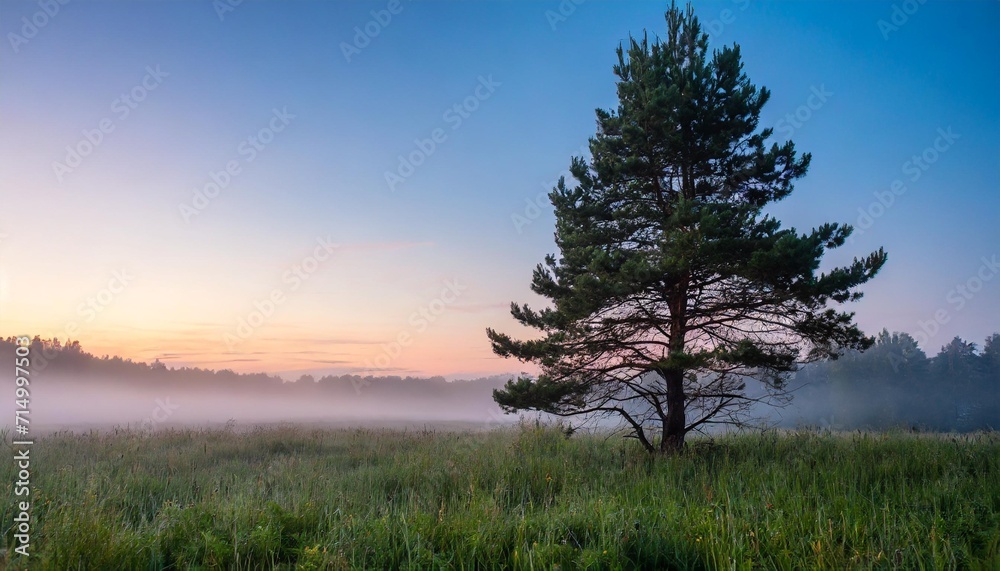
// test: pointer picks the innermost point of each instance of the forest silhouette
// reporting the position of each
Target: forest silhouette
(894, 384)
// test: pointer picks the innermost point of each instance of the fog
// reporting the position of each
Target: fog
(70, 389)
(892, 385)
(60, 403)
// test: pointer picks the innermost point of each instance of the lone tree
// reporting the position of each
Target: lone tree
(673, 289)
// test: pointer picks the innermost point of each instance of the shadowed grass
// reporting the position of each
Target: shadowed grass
(524, 498)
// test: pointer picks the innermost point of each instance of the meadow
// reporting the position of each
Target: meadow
(525, 497)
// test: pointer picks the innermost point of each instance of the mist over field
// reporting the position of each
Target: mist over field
(75, 390)
(79, 403)
(891, 386)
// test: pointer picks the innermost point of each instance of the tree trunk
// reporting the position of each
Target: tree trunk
(673, 425)
(673, 375)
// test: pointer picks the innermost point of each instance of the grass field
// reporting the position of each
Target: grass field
(515, 498)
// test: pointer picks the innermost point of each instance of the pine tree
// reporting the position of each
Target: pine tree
(673, 288)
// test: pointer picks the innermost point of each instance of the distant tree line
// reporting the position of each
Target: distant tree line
(895, 384)
(66, 363)
(54, 358)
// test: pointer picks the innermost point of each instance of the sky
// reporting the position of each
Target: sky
(336, 187)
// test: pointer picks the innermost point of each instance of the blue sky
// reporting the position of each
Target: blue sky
(467, 212)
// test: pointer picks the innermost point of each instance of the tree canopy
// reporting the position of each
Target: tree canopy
(673, 288)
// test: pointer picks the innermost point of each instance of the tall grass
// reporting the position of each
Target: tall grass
(525, 498)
